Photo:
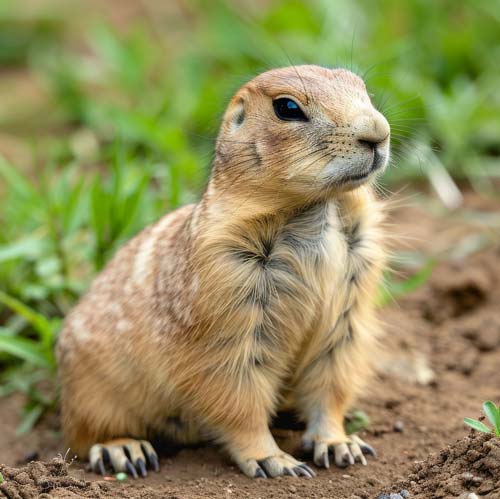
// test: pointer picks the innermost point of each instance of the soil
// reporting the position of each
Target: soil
(442, 361)
(471, 463)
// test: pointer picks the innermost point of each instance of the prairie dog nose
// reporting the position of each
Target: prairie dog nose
(371, 128)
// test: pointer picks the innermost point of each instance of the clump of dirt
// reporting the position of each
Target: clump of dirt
(471, 464)
(483, 332)
(457, 291)
(39, 479)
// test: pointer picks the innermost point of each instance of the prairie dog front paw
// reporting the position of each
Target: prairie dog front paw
(126, 454)
(258, 456)
(347, 453)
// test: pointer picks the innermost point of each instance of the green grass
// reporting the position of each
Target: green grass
(124, 128)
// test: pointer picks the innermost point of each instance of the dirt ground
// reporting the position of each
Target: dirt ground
(442, 362)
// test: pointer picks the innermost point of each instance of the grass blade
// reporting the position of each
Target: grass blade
(27, 248)
(16, 181)
(492, 413)
(131, 203)
(477, 425)
(25, 349)
(72, 208)
(29, 419)
(38, 321)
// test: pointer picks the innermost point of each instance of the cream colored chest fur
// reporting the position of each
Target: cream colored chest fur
(287, 285)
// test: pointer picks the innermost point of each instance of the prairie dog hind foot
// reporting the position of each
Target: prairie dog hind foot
(125, 454)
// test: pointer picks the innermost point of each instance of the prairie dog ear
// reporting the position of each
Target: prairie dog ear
(236, 113)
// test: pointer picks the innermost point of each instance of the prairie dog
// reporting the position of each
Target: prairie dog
(257, 298)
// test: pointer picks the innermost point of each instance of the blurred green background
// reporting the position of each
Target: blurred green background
(109, 110)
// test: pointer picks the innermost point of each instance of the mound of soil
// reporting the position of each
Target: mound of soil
(470, 465)
(51, 480)
(39, 479)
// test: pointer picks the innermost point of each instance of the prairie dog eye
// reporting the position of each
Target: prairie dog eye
(287, 109)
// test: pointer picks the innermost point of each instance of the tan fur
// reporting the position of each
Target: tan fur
(258, 297)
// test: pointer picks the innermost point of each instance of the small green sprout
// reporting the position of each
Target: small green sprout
(355, 421)
(493, 414)
(1, 478)
(121, 476)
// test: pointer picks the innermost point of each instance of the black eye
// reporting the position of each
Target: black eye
(288, 110)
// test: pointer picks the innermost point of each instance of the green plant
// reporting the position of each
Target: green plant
(355, 421)
(37, 351)
(492, 412)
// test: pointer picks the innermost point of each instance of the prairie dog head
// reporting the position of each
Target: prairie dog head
(299, 134)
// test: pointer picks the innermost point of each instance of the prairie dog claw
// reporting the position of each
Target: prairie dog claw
(260, 473)
(273, 466)
(128, 455)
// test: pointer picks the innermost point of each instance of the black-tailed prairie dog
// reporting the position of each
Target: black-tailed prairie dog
(257, 298)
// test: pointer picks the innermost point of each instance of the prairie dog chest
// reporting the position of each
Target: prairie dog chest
(299, 272)
(317, 248)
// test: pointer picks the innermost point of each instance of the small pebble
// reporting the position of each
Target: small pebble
(292, 489)
(399, 426)
(121, 476)
(346, 476)
(403, 494)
